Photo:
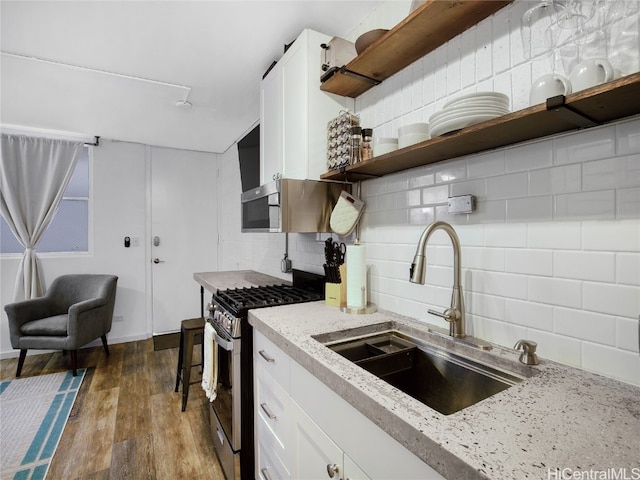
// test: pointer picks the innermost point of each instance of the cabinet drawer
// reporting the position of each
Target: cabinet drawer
(271, 404)
(271, 359)
(270, 458)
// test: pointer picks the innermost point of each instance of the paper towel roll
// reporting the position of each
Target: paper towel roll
(356, 276)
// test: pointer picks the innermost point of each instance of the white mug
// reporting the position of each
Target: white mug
(548, 86)
(591, 72)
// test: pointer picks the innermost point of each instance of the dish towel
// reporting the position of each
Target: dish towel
(210, 363)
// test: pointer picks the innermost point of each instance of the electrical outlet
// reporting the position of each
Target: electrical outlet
(462, 204)
(118, 318)
(135, 241)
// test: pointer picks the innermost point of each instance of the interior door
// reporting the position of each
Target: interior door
(183, 232)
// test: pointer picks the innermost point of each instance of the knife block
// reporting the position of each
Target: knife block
(335, 294)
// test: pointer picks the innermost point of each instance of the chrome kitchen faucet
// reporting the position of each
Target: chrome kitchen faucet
(455, 313)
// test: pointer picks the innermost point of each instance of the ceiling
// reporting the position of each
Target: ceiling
(117, 68)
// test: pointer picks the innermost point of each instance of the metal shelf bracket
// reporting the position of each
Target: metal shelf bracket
(558, 104)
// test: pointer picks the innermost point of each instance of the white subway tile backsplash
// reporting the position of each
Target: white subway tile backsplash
(507, 235)
(435, 195)
(557, 347)
(558, 235)
(488, 306)
(529, 156)
(612, 173)
(555, 180)
(440, 80)
(486, 164)
(478, 188)
(586, 205)
(505, 284)
(451, 171)
(422, 180)
(484, 54)
(521, 84)
(529, 262)
(595, 266)
(454, 69)
(611, 299)
(501, 48)
(478, 258)
(490, 212)
(628, 268)
(628, 203)
(530, 209)
(529, 314)
(555, 291)
(468, 57)
(498, 332)
(620, 236)
(512, 185)
(591, 144)
(628, 137)
(627, 333)
(594, 327)
(422, 216)
(619, 364)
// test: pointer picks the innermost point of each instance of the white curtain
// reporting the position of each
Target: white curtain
(34, 174)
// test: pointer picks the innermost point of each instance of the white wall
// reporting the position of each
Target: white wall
(552, 252)
(119, 208)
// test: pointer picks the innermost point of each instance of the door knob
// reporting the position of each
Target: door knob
(157, 260)
(332, 469)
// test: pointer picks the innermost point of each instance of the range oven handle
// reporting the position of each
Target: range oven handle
(223, 342)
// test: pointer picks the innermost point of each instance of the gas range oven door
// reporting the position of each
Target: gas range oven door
(225, 414)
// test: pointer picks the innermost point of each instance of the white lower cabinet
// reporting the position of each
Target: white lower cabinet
(316, 455)
(305, 431)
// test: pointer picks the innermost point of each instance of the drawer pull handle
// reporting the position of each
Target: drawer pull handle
(332, 469)
(266, 356)
(265, 473)
(268, 411)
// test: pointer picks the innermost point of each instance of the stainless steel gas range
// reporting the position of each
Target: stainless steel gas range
(231, 415)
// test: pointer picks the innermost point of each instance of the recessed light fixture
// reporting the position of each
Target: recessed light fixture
(183, 104)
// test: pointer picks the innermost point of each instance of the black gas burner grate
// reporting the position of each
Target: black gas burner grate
(242, 299)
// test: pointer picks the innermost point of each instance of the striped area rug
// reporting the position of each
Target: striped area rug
(33, 413)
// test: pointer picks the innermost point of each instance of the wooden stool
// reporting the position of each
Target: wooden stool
(189, 330)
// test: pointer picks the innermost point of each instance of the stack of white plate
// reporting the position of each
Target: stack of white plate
(468, 110)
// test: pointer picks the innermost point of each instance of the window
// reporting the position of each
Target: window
(69, 228)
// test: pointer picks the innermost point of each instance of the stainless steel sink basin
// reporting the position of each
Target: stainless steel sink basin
(440, 379)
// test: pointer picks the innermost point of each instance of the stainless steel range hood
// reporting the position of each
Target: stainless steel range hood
(290, 206)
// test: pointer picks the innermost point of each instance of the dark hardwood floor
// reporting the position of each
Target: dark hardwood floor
(126, 422)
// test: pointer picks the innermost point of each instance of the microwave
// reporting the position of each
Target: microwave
(290, 206)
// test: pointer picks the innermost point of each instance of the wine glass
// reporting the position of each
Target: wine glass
(539, 27)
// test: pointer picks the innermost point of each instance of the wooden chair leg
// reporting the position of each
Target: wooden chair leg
(74, 362)
(104, 344)
(23, 355)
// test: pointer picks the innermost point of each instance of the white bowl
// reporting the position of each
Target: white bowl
(382, 145)
(413, 128)
(412, 138)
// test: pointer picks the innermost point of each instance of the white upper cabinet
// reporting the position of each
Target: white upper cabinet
(294, 113)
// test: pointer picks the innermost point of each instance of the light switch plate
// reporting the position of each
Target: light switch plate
(462, 204)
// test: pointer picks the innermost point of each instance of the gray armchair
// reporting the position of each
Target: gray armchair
(75, 310)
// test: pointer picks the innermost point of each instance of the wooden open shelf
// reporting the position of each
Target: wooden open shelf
(594, 106)
(428, 27)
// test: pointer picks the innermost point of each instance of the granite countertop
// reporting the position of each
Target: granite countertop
(213, 281)
(558, 417)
